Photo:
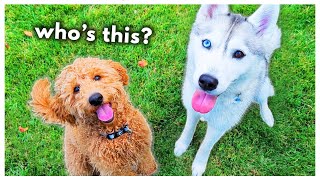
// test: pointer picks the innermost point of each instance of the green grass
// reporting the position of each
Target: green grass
(251, 148)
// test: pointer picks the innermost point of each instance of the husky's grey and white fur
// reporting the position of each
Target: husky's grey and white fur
(227, 70)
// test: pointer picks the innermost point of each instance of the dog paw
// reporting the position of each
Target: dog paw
(267, 116)
(180, 148)
(198, 169)
(270, 122)
(150, 170)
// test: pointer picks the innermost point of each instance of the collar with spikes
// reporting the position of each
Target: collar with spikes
(110, 136)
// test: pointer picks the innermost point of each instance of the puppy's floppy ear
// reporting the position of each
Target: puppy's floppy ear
(121, 70)
(210, 11)
(50, 108)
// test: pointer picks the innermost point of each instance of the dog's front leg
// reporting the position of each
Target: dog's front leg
(200, 162)
(77, 164)
(185, 139)
(261, 98)
(147, 164)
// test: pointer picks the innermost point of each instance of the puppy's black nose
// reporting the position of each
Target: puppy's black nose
(207, 82)
(96, 99)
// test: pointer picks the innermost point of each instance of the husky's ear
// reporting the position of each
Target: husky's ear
(265, 19)
(265, 22)
(209, 11)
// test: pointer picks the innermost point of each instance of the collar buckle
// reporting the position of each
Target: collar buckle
(121, 131)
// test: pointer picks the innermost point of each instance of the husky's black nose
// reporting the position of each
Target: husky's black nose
(207, 82)
(96, 99)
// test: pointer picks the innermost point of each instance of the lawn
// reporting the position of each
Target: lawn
(251, 148)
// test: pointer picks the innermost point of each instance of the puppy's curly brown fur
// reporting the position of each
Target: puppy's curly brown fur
(87, 152)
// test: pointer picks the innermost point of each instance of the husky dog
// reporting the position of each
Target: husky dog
(227, 70)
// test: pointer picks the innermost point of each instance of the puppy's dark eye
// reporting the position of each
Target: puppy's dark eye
(97, 78)
(238, 54)
(76, 89)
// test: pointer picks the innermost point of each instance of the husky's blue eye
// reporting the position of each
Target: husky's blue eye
(206, 43)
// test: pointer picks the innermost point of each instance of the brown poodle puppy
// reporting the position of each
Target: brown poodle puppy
(104, 133)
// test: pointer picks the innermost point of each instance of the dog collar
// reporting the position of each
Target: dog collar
(237, 99)
(121, 131)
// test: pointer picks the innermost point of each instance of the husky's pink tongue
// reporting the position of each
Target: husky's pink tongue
(105, 113)
(203, 102)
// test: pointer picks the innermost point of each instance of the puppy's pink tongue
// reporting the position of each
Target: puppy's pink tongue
(203, 102)
(105, 113)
